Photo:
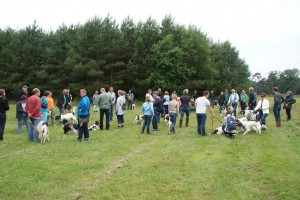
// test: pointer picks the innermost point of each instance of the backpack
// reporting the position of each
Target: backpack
(124, 106)
(230, 123)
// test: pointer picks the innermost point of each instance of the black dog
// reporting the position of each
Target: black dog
(69, 127)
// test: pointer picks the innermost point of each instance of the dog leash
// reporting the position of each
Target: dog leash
(218, 119)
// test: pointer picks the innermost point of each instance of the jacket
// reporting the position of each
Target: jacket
(157, 105)
(61, 101)
(20, 112)
(173, 106)
(84, 106)
(147, 108)
(120, 101)
(278, 100)
(33, 107)
(3, 105)
(44, 102)
(252, 99)
(289, 100)
(104, 101)
(264, 106)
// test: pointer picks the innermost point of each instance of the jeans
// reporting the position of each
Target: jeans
(106, 112)
(234, 105)
(155, 121)
(243, 105)
(262, 117)
(288, 113)
(111, 111)
(185, 110)
(147, 120)
(201, 119)
(276, 111)
(173, 117)
(166, 109)
(212, 103)
(120, 119)
(52, 116)
(32, 130)
(61, 111)
(20, 123)
(2, 124)
(44, 116)
(83, 129)
(129, 106)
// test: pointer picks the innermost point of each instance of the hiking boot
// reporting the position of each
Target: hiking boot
(180, 123)
(186, 122)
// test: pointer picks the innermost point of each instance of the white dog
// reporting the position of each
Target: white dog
(67, 116)
(249, 115)
(95, 126)
(218, 131)
(138, 118)
(168, 120)
(133, 106)
(43, 131)
(248, 126)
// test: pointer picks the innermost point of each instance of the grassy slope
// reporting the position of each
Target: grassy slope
(123, 164)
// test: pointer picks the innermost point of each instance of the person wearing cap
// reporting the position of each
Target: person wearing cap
(3, 108)
(263, 110)
(22, 91)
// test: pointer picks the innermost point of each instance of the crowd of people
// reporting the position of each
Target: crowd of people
(30, 110)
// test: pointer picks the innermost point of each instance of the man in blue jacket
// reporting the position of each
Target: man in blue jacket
(157, 110)
(83, 116)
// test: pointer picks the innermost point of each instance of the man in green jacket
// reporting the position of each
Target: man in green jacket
(243, 100)
(104, 103)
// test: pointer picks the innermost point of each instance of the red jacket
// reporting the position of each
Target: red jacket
(33, 107)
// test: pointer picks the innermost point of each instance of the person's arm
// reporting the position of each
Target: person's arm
(266, 105)
(211, 110)
(19, 107)
(282, 99)
(6, 105)
(293, 100)
(254, 97)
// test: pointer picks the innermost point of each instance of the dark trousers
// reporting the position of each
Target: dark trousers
(111, 111)
(243, 105)
(147, 120)
(102, 112)
(288, 113)
(155, 120)
(120, 119)
(234, 105)
(166, 109)
(185, 110)
(2, 124)
(276, 111)
(201, 120)
(83, 129)
(252, 106)
(129, 107)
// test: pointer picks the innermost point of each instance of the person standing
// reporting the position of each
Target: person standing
(221, 101)
(166, 103)
(121, 102)
(212, 97)
(263, 110)
(113, 101)
(278, 100)
(195, 95)
(61, 102)
(148, 112)
(130, 97)
(51, 108)
(44, 106)
(69, 99)
(156, 107)
(252, 99)
(21, 115)
(83, 116)
(201, 104)
(226, 95)
(95, 101)
(173, 108)
(104, 104)
(243, 100)
(184, 107)
(3, 108)
(234, 99)
(33, 110)
(22, 91)
(289, 100)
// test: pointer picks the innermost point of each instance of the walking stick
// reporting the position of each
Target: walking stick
(212, 124)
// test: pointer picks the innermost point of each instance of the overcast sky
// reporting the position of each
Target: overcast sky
(266, 32)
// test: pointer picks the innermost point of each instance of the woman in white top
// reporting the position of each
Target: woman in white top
(201, 104)
(263, 110)
(120, 111)
(167, 101)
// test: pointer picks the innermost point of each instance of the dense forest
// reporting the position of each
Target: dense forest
(137, 56)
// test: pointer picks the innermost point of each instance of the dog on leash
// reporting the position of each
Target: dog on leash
(218, 131)
(69, 127)
(249, 115)
(95, 126)
(67, 116)
(133, 106)
(43, 131)
(138, 118)
(168, 120)
(248, 126)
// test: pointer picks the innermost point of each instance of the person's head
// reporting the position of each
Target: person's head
(46, 93)
(221, 93)
(110, 89)
(275, 89)
(174, 92)
(232, 91)
(24, 88)
(148, 98)
(82, 92)
(23, 98)
(174, 97)
(67, 91)
(206, 94)
(229, 112)
(251, 90)
(96, 92)
(102, 90)
(2, 92)
(263, 95)
(36, 91)
(289, 93)
(129, 91)
(226, 90)
(243, 91)
(159, 90)
(185, 92)
(50, 94)
(149, 91)
(155, 94)
(64, 91)
(212, 91)
(166, 93)
(120, 93)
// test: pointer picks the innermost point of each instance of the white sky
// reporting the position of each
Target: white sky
(266, 32)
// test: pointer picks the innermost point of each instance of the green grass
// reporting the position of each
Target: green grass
(124, 164)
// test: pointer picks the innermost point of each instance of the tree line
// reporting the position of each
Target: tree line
(103, 53)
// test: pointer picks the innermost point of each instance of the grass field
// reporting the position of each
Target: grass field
(124, 164)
